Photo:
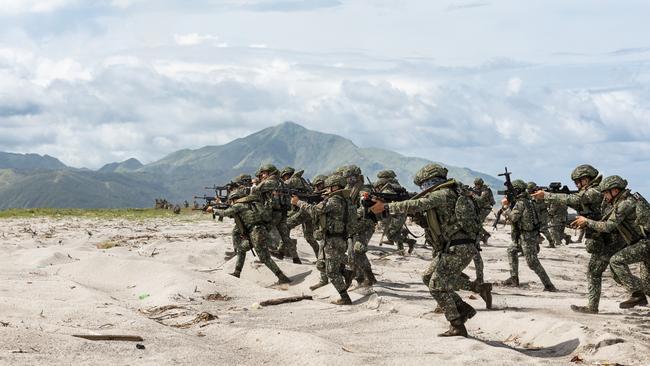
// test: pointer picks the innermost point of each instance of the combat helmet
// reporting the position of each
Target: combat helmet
(428, 172)
(386, 174)
(237, 194)
(269, 168)
(348, 171)
(531, 186)
(335, 180)
(242, 179)
(584, 170)
(319, 179)
(478, 181)
(519, 185)
(287, 171)
(612, 182)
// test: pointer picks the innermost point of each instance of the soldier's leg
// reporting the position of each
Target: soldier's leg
(597, 265)
(394, 230)
(620, 264)
(240, 249)
(557, 234)
(308, 232)
(529, 248)
(259, 237)
(549, 237)
(513, 259)
(478, 265)
(445, 278)
(645, 276)
(287, 245)
(335, 257)
(296, 218)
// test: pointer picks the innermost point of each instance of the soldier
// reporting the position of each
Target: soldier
(251, 217)
(587, 202)
(485, 200)
(557, 221)
(542, 213)
(269, 188)
(297, 216)
(453, 235)
(394, 224)
(366, 222)
(335, 224)
(241, 187)
(622, 218)
(526, 224)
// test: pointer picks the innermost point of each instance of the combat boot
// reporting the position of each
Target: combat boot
(370, 279)
(485, 291)
(318, 285)
(637, 298)
(348, 276)
(296, 260)
(344, 300)
(584, 309)
(466, 311)
(550, 288)
(456, 329)
(235, 274)
(387, 242)
(282, 279)
(513, 281)
(277, 254)
(411, 244)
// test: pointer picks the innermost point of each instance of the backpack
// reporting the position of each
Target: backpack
(467, 212)
(642, 212)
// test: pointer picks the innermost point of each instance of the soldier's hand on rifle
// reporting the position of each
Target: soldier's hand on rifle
(505, 202)
(378, 208)
(209, 209)
(579, 223)
(538, 195)
(294, 200)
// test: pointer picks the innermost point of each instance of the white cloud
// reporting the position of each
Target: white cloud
(32, 6)
(192, 39)
(514, 86)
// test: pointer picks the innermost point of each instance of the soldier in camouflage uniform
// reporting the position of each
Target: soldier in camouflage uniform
(622, 219)
(454, 246)
(587, 202)
(394, 224)
(485, 200)
(270, 190)
(251, 217)
(294, 180)
(335, 224)
(241, 186)
(525, 223)
(542, 213)
(366, 222)
(557, 221)
(319, 187)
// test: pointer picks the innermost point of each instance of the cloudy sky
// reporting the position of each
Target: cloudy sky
(538, 85)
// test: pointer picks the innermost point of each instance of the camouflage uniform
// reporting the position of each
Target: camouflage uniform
(454, 246)
(366, 222)
(485, 200)
(587, 202)
(542, 213)
(242, 185)
(250, 216)
(620, 220)
(335, 218)
(557, 221)
(525, 223)
(297, 216)
(270, 191)
(394, 224)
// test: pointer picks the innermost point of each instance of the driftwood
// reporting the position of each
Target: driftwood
(126, 338)
(285, 300)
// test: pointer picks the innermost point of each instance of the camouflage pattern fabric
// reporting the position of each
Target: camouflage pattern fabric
(557, 221)
(266, 189)
(542, 213)
(588, 202)
(628, 239)
(302, 217)
(332, 213)
(444, 273)
(525, 233)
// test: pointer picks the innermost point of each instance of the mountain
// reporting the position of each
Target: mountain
(29, 162)
(129, 165)
(282, 145)
(42, 181)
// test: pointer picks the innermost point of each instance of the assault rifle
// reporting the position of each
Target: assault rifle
(212, 201)
(309, 197)
(510, 194)
(557, 187)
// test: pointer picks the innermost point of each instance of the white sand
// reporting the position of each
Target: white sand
(56, 283)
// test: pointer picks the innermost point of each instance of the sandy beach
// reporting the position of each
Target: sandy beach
(166, 280)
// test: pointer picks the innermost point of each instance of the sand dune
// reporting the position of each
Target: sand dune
(166, 280)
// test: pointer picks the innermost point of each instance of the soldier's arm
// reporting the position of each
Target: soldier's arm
(430, 201)
(514, 214)
(314, 210)
(623, 210)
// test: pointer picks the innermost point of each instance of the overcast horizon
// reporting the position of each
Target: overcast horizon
(538, 86)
